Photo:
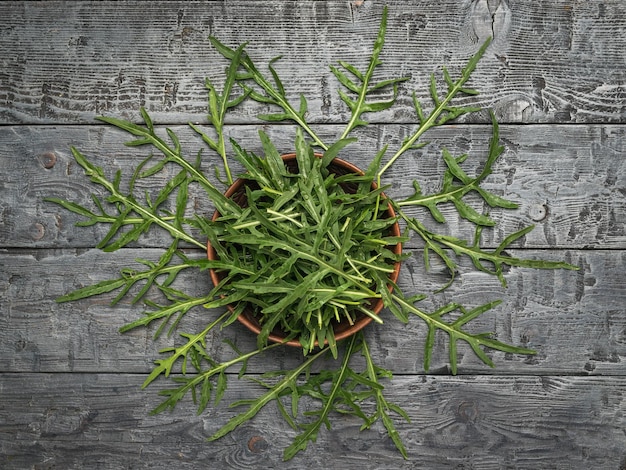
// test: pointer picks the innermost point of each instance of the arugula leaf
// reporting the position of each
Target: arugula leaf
(271, 395)
(383, 407)
(310, 430)
(434, 322)
(443, 110)
(274, 93)
(360, 105)
(454, 193)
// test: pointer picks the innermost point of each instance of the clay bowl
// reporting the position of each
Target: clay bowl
(341, 329)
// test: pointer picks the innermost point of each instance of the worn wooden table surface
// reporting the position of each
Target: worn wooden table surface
(70, 395)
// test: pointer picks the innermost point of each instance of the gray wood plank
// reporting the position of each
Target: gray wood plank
(576, 321)
(64, 61)
(101, 421)
(568, 180)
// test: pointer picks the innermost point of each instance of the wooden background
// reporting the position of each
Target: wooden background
(555, 75)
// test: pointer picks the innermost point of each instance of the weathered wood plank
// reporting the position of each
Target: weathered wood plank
(576, 321)
(569, 180)
(63, 62)
(95, 421)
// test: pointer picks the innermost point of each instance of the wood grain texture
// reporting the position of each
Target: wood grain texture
(568, 180)
(100, 421)
(554, 61)
(70, 383)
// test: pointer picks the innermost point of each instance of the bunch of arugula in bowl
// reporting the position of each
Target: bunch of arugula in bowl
(301, 249)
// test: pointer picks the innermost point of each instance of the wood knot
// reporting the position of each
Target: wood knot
(467, 412)
(38, 231)
(257, 444)
(538, 212)
(48, 160)
(490, 18)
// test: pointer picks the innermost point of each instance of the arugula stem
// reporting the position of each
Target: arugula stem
(218, 108)
(174, 157)
(273, 394)
(149, 137)
(214, 370)
(422, 314)
(364, 89)
(166, 312)
(430, 122)
(283, 103)
(455, 333)
(440, 107)
(310, 432)
(165, 365)
(277, 97)
(440, 197)
(381, 402)
(497, 258)
(125, 280)
(139, 209)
